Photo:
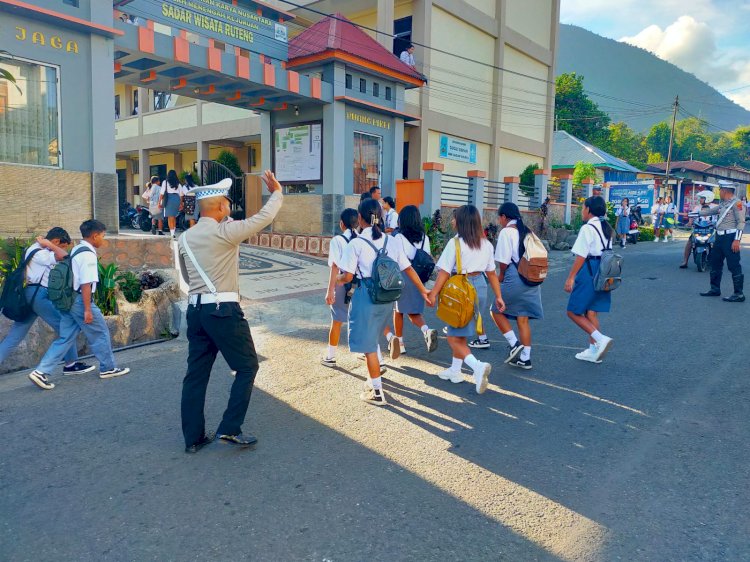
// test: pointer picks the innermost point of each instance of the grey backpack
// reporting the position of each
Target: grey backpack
(609, 276)
(386, 282)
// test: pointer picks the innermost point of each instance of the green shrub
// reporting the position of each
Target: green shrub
(646, 234)
(105, 297)
(230, 161)
(130, 285)
(13, 250)
(196, 177)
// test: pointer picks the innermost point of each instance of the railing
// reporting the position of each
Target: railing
(527, 197)
(213, 172)
(455, 190)
(495, 194)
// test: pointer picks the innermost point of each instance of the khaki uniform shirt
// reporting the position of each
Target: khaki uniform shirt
(733, 220)
(216, 247)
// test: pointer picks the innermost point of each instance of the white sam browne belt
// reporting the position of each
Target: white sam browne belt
(724, 232)
(213, 298)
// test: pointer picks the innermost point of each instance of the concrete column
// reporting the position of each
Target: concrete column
(385, 23)
(265, 140)
(566, 192)
(398, 157)
(178, 162)
(512, 188)
(144, 165)
(202, 153)
(541, 179)
(588, 185)
(606, 192)
(334, 131)
(433, 178)
(476, 188)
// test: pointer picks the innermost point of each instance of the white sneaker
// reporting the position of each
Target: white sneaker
(665, 239)
(403, 347)
(451, 375)
(394, 350)
(587, 355)
(603, 347)
(374, 397)
(40, 379)
(482, 376)
(430, 340)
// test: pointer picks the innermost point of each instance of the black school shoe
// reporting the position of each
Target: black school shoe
(78, 368)
(205, 440)
(520, 363)
(239, 440)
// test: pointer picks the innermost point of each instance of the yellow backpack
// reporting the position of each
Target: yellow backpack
(458, 303)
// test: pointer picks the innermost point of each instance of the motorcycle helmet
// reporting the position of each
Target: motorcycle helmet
(708, 194)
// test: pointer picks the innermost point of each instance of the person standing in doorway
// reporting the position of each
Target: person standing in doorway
(152, 198)
(407, 57)
(172, 192)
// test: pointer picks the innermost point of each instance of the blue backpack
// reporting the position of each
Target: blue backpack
(386, 282)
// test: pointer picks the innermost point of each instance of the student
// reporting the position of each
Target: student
(336, 295)
(523, 302)
(366, 320)
(84, 316)
(411, 236)
(172, 192)
(47, 252)
(585, 303)
(152, 198)
(391, 216)
(670, 212)
(657, 215)
(623, 220)
(476, 259)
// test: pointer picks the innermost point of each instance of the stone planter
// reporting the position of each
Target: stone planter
(149, 319)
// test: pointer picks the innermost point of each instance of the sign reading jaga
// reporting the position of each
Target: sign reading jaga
(457, 149)
(38, 38)
(367, 120)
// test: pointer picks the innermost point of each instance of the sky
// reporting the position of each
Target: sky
(709, 38)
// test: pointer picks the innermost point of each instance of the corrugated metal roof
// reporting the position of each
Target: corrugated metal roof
(568, 150)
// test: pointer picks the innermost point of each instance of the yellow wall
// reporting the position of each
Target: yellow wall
(460, 88)
(531, 18)
(512, 162)
(524, 99)
(488, 6)
(454, 166)
(367, 19)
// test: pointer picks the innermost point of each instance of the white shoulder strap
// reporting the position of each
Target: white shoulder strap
(189, 252)
(724, 214)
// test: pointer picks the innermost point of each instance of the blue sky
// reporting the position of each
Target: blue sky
(710, 38)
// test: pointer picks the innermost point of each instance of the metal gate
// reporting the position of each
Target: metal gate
(213, 172)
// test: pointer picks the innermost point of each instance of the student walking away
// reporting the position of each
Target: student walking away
(172, 193)
(152, 198)
(188, 201)
(657, 216)
(470, 254)
(623, 220)
(209, 260)
(585, 302)
(337, 297)
(391, 216)
(729, 228)
(704, 200)
(40, 258)
(375, 259)
(523, 301)
(71, 287)
(416, 245)
(670, 213)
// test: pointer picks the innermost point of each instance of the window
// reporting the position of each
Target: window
(117, 106)
(135, 102)
(363, 85)
(29, 114)
(388, 93)
(376, 89)
(161, 100)
(402, 35)
(348, 81)
(368, 161)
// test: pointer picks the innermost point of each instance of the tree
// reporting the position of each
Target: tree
(657, 140)
(576, 113)
(527, 176)
(230, 161)
(627, 145)
(583, 171)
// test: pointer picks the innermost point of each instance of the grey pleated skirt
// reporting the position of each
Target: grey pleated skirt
(411, 301)
(470, 330)
(171, 204)
(339, 310)
(366, 322)
(520, 299)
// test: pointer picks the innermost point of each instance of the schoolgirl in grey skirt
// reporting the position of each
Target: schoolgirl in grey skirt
(367, 319)
(473, 259)
(336, 294)
(522, 302)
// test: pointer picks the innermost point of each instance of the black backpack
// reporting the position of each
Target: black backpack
(386, 282)
(423, 263)
(13, 299)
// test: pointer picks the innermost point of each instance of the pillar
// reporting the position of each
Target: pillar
(385, 23)
(266, 140)
(433, 178)
(588, 185)
(566, 192)
(512, 188)
(605, 192)
(541, 179)
(144, 167)
(476, 188)
(202, 154)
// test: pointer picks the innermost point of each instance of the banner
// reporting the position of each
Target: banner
(458, 149)
(640, 194)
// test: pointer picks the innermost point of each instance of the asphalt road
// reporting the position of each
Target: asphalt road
(641, 458)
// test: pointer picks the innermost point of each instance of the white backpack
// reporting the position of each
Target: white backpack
(534, 263)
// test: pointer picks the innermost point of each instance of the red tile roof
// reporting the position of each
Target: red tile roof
(693, 165)
(332, 34)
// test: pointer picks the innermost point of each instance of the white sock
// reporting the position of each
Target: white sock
(171, 232)
(70, 364)
(380, 355)
(425, 329)
(377, 383)
(331, 351)
(483, 337)
(593, 348)
(472, 362)
(456, 365)
(597, 336)
(389, 336)
(511, 338)
(526, 353)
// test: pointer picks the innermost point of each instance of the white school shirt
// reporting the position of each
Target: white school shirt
(391, 219)
(411, 250)
(622, 211)
(507, 245)
(472, 260)
(407, 57)
(37, 272)
(85, 267)
(167, 189)
(588, 243)
(359, 256)
(670, 209)
(337, 247)
(657, 209)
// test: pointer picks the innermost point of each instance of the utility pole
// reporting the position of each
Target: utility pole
(667, 190)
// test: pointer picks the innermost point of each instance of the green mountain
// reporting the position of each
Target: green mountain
(617, 71)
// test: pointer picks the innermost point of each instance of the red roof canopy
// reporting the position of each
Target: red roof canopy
(337, 36)
(694, 165)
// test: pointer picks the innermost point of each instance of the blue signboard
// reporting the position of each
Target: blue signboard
(458, 149)
(642, 194)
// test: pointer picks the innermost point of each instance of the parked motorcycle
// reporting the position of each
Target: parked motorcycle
(144, 218)
(704, 233)
(636, 219)
(128, 215)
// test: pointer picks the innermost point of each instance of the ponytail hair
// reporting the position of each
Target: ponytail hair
(350, 218)
(598, 208)
(511, 211)
(372, 214)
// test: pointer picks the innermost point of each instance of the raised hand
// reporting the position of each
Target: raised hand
(271, 182)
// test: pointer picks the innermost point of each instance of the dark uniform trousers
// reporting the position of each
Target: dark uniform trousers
(210, 330)
(722, 248)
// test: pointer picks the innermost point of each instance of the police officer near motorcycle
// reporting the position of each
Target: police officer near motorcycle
(729, 228)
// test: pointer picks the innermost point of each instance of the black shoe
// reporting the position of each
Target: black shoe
(161, 233)
(711, 293)
(521, 363)
(514, 353)
(153, 230)
(205, 440)
(735, 298)
(239, 440)
(683, 266)
(78, 368)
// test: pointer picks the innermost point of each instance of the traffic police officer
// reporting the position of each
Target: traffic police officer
(729, 227)
(209, 260)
